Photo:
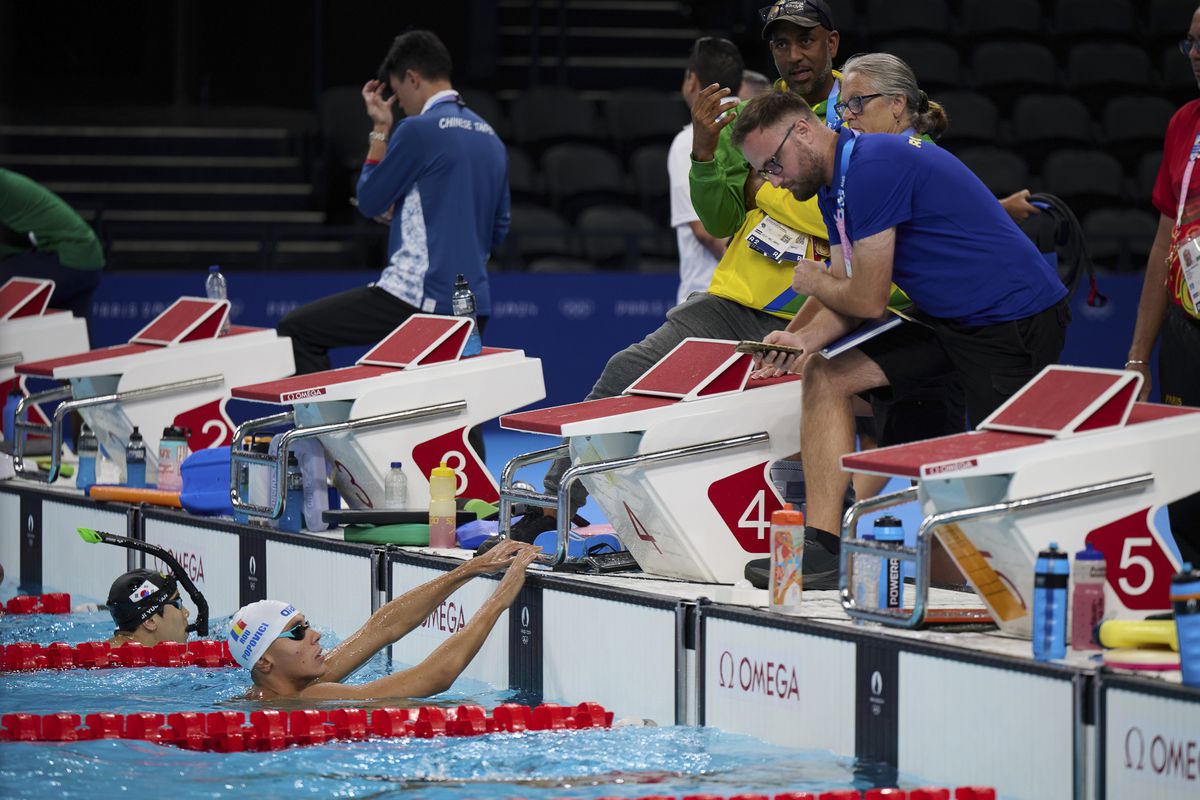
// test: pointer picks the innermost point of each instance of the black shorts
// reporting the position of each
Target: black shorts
(990, 361)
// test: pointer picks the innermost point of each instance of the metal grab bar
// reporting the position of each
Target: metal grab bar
(11, 359)
(920, 554)
(562, 500)
(23, 428)
(279, 460)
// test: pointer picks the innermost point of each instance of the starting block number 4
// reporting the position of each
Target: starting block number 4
(745, 502)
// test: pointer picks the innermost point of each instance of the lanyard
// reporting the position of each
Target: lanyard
(839, 216)
(832, 120)
(1187, 178)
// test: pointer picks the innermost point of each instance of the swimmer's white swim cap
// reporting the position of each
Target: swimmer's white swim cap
(255, 627)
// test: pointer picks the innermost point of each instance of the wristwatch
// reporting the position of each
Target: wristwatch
(376, 136)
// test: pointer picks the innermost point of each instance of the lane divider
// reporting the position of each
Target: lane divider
(227, 731)
(925, 793)
(53, 603)
(28, 656)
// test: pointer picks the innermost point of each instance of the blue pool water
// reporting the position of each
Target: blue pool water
(623, 762)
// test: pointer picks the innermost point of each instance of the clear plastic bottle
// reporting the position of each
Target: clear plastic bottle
(1087, 598)
(462, 304)
(786, 582)
(867, 569)
(215, 288)
(135, 460)
(87, 450)
(442, 511)
(172, 450)
(293, 510)
(395, 487)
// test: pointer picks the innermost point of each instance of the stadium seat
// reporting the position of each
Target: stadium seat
(1005, 70)
(649, 169)
(936, 64)
(536, 232)
(485, 104)
(1096, 72)
(1120, 239)
(580, 175)
(524, 183)
(849, 25)
(1085, 179)
(547, 115)
(983, 20)
(1002, 171)
(1177, 79)
(1043, 122)
(637, 116)
(1167, 21)
(1144, 178)
(1134, 125)
(344, 125)
(1076, 20)
(887, 18)
(619, 236)
(974, 120)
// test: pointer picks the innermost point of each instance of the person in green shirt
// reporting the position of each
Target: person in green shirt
(43, 237)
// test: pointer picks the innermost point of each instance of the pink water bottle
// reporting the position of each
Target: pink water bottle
(1087, 598)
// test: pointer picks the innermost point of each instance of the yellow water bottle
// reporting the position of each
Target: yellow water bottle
(442, 511)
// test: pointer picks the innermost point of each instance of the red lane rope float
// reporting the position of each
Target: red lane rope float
(925, 793)
(227, 731)
(53, 603)
(27, 656)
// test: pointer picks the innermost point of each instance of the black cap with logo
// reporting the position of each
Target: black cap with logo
(137, 595)
(805, 13)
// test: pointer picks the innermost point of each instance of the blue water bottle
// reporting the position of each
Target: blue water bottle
(891, 578)
(10, 414)
(87, 450)
(293, 510)
(462, 304)
(1185, 600)
(135, 460)
(1050, 575)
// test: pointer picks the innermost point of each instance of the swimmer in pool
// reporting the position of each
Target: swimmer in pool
(147, 609)
(274, 641)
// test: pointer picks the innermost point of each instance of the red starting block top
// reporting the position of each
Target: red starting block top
(552, 420)
(696, 368)
(300, 387)
(1062, 401)
(188, 319)
(421, 340)
(47, 368)
(24, 297)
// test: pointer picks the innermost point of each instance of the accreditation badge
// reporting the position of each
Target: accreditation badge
(1188, 253)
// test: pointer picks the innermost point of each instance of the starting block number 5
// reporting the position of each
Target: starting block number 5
(1139, 567)
(1130, 561)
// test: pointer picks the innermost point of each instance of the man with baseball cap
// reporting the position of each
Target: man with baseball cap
(274, 641)
(147, 609)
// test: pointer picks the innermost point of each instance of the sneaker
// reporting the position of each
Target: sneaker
(820, 568)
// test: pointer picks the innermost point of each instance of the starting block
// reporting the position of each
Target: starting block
(680, 463)
(31, 331)
(176, 371)
(412, 398)
(1072, 459)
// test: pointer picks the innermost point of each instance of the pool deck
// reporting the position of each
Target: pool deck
(962, 707)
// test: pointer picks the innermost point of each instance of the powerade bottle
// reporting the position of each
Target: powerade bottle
(135, 460)
(1087, 598)
(462, 304)
(891, 579)
(1185, 600)
(215, 288)
(1050, 577)
(87, 449)
(293, 510)
(10, 415)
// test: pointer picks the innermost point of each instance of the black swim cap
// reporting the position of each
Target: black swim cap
(138, 595)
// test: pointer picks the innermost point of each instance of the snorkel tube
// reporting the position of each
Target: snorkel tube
(200, 626)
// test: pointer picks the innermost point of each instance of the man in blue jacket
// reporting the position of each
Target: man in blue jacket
(441, 176)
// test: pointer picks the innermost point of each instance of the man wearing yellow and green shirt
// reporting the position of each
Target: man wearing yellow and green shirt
(750, 294)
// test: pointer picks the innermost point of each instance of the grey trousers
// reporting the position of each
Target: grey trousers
(703, 316)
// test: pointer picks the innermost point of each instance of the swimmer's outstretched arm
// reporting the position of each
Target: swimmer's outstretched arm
(395, 619)
(438, 671)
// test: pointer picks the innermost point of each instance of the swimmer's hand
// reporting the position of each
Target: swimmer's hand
(773, 363)
(514, 578)
(501, 557)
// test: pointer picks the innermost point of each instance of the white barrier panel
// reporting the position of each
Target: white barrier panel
(1151, 745)
(10, 536)
(783, 686)
(70, 564)
(618, 654)
(210, 558)
(973, 724)
(491, 663)
(332, 589)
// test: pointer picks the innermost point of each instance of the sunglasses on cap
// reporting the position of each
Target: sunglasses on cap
(797, 8)
(296, 632)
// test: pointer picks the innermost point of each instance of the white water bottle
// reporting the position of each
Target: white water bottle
(395, 487)
(865, 574)
(215, 288)
(462, 304)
